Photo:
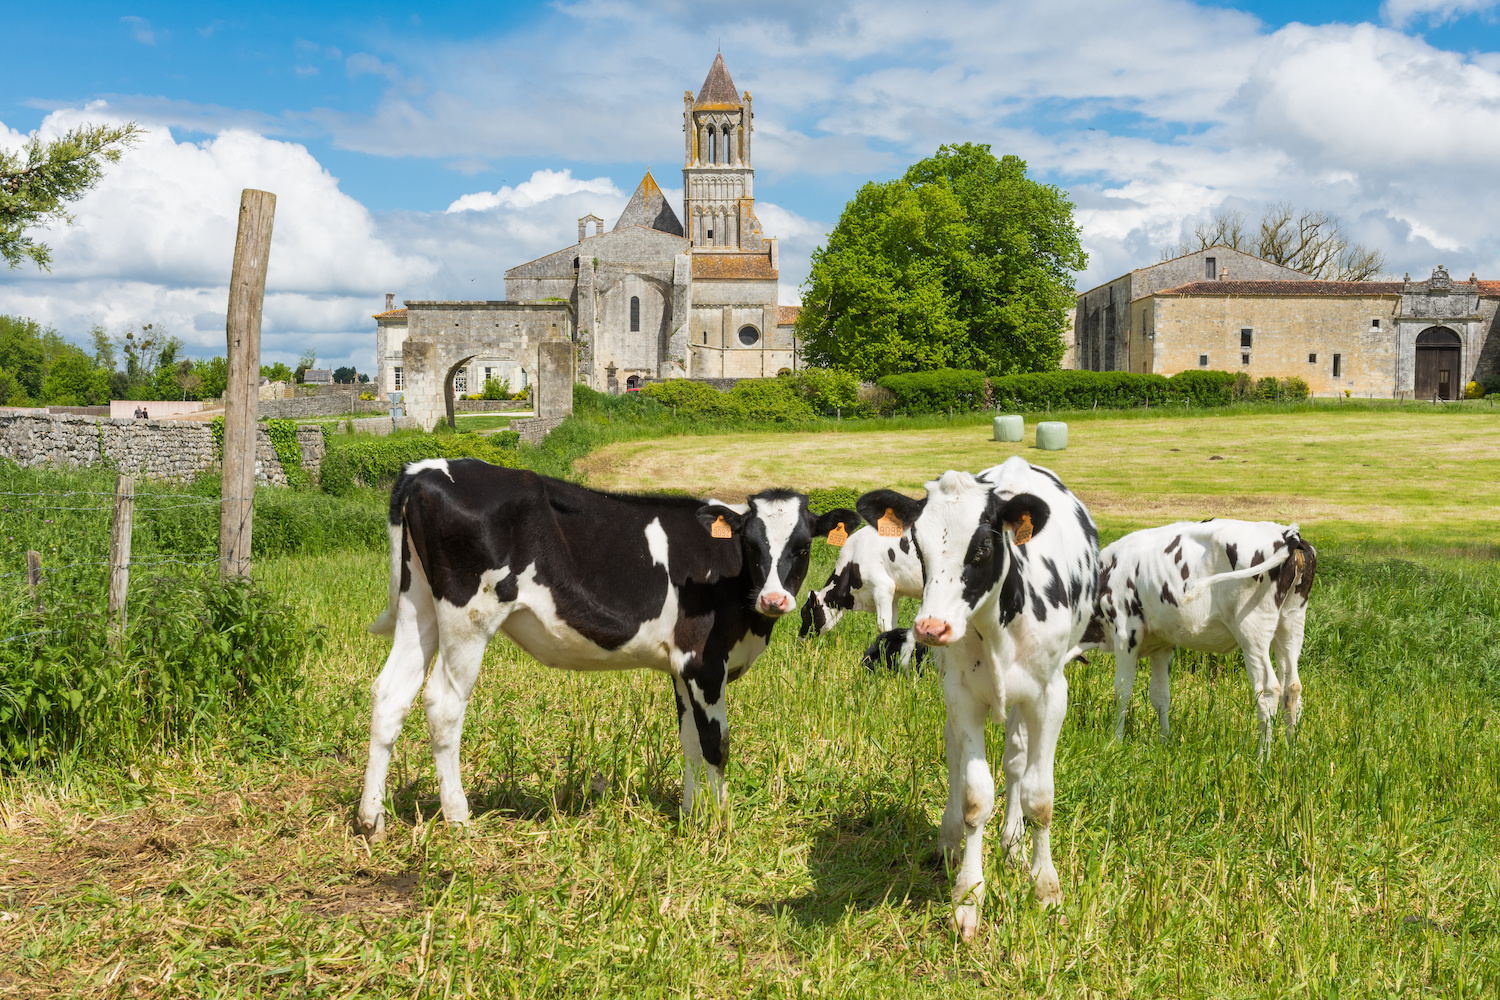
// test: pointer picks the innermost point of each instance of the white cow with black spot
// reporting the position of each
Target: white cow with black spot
(1010, 559)
(873, 573)
(1211, 586)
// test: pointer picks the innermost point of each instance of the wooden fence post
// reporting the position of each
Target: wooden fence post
(119, 548)
(247, 290)
(34, 576)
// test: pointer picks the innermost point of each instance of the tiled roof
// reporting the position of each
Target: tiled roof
(391, 314)
(733, 265)
(718, 93)
(787, 315)
(1231, 287)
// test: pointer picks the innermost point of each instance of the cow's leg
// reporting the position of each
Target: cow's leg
(413, 643)
(885, 607)
(1161, 687)
(703, 728)
(1288, 647)
(1124, 684)
(1044, 718)
(951, 833)
(463, 641)
(1013, 833)
(1267, 689)
(966, 718)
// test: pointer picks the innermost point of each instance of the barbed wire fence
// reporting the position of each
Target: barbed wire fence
(61, 563)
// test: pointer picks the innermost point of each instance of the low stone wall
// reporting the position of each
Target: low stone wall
(150, 449)
(380, 425)
(534, 429)
(327, 403)
(490, 405)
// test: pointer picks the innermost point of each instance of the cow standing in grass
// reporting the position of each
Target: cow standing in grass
(873, 573)
(1211, 586)
(1010, 559)
(581, 580)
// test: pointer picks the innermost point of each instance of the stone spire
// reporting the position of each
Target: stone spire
(718, 93)
(648, 207)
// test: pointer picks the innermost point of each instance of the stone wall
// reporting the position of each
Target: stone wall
(150, 449)
(327, 403)
(534, 429)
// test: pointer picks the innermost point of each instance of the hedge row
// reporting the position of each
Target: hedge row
(937, 391)
(780, 400)
(378, 461)
(1082, 390)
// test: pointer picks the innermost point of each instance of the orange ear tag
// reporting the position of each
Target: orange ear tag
(1023, 530)
(721, 528)
(889, 526)
(838, 536)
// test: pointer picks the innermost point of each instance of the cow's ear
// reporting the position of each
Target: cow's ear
(1024, 515)
(873, 506)
(841, 517)
(720, 521)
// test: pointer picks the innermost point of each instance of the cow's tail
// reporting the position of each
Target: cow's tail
(386, 623)
(1198, 586)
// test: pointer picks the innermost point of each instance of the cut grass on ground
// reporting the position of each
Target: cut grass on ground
(1398, 477)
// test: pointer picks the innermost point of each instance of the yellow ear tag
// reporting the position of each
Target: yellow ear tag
(838, 536)
(889, 526)
(721, 528)
(1023, 530)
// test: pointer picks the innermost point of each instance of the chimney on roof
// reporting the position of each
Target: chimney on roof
(390, 301)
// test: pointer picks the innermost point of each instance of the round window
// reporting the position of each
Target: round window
(749, 335)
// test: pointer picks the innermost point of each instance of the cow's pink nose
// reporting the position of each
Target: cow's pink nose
(933, 632)
(775, 604)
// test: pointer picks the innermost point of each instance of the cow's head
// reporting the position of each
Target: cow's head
(775, 531)
(966, 536)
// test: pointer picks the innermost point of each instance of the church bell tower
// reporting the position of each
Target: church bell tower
(718, 182)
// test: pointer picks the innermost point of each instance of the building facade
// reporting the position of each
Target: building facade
(1386, 339)
(651, 298)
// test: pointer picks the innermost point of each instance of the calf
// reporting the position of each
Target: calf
(873, 573)
(1010, 559)
(1212, 586)
(582, 581)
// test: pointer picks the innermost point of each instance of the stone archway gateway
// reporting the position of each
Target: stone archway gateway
(1439, 351)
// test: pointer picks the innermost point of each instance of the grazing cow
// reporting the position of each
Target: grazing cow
(873, 573)
(1011, 562)
(1210, 586)
(582, 581)
(894, 648)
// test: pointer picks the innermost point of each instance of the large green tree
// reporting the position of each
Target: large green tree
(964, 262)
(39, 180)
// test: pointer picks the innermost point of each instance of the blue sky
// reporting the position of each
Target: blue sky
(424, 151)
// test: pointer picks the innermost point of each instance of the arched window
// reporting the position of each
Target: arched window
(575, 263)
(635, 314)
(728, 145)
(713, 142)
(749, 336)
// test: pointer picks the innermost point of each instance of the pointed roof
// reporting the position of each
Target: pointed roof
(718, 93)
(649, 207)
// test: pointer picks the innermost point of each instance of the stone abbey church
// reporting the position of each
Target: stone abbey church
(657, 296)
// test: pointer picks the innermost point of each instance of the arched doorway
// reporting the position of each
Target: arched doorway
(633, 384)
(1437, 363)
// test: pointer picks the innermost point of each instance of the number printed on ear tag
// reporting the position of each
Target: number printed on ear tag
(1023, 530)
(721, 528)
(838, 536)
(889, 526)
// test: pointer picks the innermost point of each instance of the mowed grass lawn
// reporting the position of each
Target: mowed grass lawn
(1360, 861)
(1369, 476)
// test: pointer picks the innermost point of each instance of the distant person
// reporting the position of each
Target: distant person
(145, 414)
(140, 412)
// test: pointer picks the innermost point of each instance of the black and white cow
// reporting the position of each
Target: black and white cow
(873, 573)
(581, 580)
(1011, 562)
(1213, 586)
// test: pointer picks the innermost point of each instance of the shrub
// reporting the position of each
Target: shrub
(1083, 390)
(495, 389)
(509, 440)
(1491, 383)
(1473, 391)
(937, 391)
(775, 399)
(195, 654)
(1267, 388)
(688, 398)
(378, 461)
(828, 390)
(821, 501)
(1293, 387)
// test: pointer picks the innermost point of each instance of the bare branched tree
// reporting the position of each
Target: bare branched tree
(1309, 241)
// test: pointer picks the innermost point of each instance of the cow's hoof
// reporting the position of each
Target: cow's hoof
(966, 921)
(372, 832)
(1015, 855)
(1048, 890)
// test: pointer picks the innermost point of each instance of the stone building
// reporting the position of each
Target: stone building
(1102, 317)
(651, 298)
(1403, 339)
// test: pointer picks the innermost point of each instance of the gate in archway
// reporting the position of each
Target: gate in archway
(1438, 355)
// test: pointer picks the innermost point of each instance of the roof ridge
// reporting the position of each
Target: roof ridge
(718, 89)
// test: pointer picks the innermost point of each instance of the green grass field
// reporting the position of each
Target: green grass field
(1359, 862)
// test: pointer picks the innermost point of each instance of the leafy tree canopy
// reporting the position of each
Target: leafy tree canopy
(964, 262)
(41, 178)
